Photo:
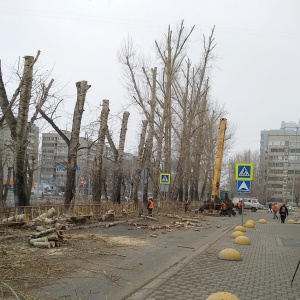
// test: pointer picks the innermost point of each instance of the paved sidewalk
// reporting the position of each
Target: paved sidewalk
(265, 272)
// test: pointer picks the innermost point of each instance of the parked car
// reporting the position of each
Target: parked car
(252, 204)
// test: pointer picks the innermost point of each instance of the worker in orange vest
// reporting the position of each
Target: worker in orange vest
(186, 204)
(150, 206)
(275, 210)
(240, 206)
(223, 209)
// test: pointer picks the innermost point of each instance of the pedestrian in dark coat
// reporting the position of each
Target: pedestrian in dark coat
(283, 212)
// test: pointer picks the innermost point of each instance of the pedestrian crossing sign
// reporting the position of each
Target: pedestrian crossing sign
(243, 171)
(164, 178)
(243, 186)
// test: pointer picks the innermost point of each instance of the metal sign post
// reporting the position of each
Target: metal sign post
(243, 211)
(243, 175)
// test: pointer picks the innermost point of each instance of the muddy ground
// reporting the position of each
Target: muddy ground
(100, 262)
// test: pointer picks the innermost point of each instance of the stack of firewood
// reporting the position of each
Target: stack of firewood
(48, 238)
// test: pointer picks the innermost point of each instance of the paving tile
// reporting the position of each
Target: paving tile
(264, 273)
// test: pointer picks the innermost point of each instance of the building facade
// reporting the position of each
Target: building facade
(280, 164)
(53, 165)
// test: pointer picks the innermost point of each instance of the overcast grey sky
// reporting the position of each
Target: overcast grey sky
(257, 70)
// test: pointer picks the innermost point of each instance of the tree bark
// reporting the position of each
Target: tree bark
(139, 166)
(118, 172)
(82, 88)
(20, 126)
(98, 178)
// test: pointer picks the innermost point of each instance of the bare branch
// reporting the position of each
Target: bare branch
(54, 126)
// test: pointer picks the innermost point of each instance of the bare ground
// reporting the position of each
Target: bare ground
(34, 273)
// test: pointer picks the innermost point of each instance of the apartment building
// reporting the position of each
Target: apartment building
(280, 163)
(54, 157)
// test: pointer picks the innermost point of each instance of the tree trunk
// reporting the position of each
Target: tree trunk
(20, 126)
(2, 200)
(138, 169)
(82, 88)
(167, 107)
(118, 172)
(21, 137)
(147, 159)
(98, 178)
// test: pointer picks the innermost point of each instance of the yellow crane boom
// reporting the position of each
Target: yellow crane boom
(215, 190)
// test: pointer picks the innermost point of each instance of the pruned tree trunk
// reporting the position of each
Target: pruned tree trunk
(82, 88)
(148, 159)
(98, 178)
(20, 126)
(30, 175)
(20, 139)
(2, 199)
(118, 172)
(73, 142)
(138, 169)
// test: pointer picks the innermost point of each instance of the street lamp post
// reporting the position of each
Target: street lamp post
(293, 190)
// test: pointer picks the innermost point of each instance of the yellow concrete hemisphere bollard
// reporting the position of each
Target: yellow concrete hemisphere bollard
(262, 221)
(230, 254)
(242, 240)
(222, 296)
(240, 228)
(249, 225)
(291, 221)
(237, 233)
(250, 221)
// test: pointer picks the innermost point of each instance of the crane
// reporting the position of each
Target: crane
(215, 189)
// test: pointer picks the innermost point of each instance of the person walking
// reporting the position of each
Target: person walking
(240, 207)
(186, 204)
(283, 212)
(275, 210)
(150, 206)
(229, 206)
(270, 210)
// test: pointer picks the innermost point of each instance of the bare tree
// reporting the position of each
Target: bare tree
(20, 124)
(98, 178)
(138, 169)
(118, 171)
(182, 143)
(72, 142)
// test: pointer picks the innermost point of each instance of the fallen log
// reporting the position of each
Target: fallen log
(189, 220)
(42, 244)
(186, 247)
(41, 239)
(43, 233)
(49, 214)
(53, 237)
(151, 218)
(110, 224)
(17, 218)
(79, 219)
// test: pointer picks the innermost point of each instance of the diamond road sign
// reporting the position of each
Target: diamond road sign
(243, 171)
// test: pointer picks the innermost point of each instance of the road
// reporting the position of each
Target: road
(118, 276)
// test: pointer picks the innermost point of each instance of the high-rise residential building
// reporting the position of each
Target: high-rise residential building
(54, 157)
(280, 163)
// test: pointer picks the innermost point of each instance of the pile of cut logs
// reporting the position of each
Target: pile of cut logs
(48, 238)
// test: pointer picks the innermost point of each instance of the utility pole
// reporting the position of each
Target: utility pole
(295, 148)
